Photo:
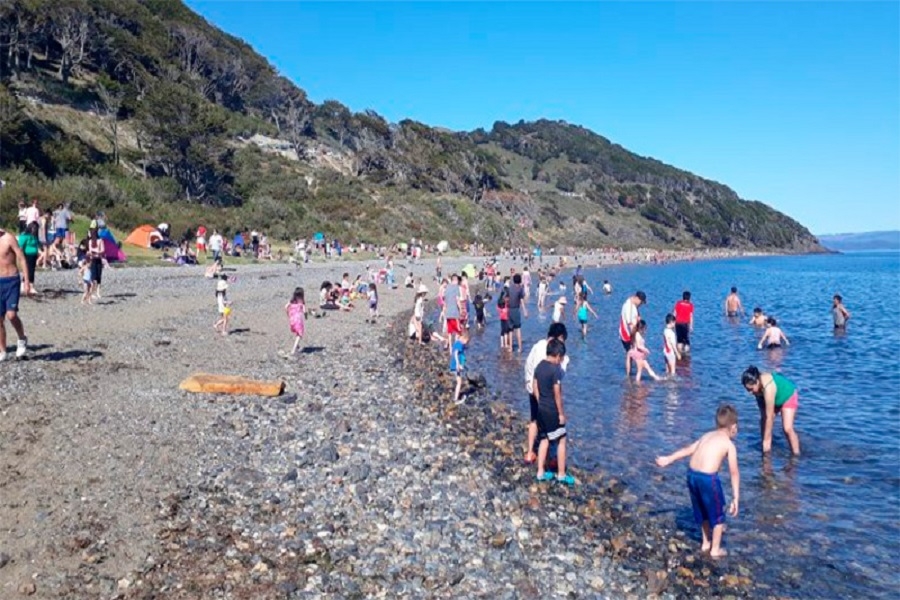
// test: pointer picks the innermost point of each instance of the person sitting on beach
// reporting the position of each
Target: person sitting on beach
(538, 353)
(773, 337)
(639, 352)
(774, 394)
(733, 306)
(707, 498)
(328, 297)
(839, 313)
(551, 417)
(409, 280)
(759, 318)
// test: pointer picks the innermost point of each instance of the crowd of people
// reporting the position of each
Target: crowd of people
(462, 305)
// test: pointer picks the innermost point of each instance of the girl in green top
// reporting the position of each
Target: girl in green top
(775, 394)
(31, 248)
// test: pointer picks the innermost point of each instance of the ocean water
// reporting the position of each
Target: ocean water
(825, 524)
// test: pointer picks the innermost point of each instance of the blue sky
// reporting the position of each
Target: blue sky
(794, 104)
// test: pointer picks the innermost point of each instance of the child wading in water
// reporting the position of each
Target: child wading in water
(372, 296)
(223, 305)
(670, 345)
(505, 329)
(583, 309)
(640, 352)
(773, 337)
(296, 312)
(704, 485)
(458, 363)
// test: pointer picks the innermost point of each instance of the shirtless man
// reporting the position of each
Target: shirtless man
(11, 261)
(733, 306)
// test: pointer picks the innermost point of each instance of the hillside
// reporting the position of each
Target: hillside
(145, 110)
(856, 242)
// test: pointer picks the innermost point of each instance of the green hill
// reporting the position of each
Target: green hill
(145, 110)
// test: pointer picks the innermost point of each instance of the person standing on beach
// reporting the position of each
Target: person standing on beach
(551, 419)
(216, 244)
(684, 322)
(774, 394)
(296, 313)
(538, 353)
(733, 306)
(11, 261)
(97, 255)
(628, 322)
(517, 310)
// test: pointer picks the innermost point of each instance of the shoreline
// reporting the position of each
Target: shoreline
(361, 480)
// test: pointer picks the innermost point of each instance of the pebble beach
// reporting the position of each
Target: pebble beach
(362, 480)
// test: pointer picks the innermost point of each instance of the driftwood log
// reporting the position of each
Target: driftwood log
(205, 383)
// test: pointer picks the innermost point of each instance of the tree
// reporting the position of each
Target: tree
(70, 29)
(111, 95)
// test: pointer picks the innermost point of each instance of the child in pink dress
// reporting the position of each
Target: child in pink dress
(296, 312)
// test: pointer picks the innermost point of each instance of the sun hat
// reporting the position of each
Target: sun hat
(563, 300)
(423, 289)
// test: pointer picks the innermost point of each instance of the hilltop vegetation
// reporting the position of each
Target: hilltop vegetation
(142, 108)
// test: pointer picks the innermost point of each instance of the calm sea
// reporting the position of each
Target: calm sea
(826, 524)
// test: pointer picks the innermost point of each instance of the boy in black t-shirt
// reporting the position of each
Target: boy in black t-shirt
(547, 386)
(478, 304)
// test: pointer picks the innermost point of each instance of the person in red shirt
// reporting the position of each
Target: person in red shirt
(684, 322)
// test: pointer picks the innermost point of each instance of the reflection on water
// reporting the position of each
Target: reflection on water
(832, 515)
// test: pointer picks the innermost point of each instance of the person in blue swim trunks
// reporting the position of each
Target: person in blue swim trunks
(11, 283)
(707, 498)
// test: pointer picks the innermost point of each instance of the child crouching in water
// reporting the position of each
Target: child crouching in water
(296, 312)
(704, 485)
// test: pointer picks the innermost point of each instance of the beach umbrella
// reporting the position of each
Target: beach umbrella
(443, 246)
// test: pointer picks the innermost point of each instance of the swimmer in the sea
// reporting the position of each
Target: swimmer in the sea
(840, 314)
(733, 306)
(773, 337)
(758, 319)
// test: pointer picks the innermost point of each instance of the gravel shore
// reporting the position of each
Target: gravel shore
(362, 480)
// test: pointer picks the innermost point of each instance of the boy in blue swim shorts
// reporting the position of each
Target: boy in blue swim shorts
(704, 485)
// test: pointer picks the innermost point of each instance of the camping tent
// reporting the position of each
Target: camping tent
(113, 252)
(142, 236)
(470, 271)
(443, 246)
